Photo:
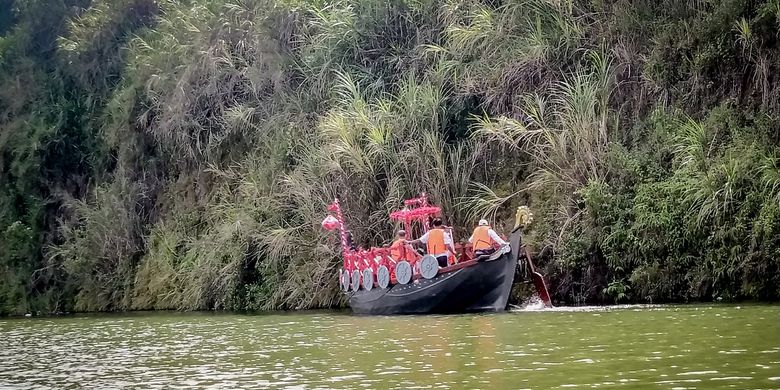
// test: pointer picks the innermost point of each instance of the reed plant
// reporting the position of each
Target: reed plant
(180, 155)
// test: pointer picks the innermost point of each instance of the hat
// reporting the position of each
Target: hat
(483, 222)
(401, 232)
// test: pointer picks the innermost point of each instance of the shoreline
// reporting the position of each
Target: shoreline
(529, 307)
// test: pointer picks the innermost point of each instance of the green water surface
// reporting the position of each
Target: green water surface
(667, 347)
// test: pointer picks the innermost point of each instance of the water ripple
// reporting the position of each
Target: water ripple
(708, 346)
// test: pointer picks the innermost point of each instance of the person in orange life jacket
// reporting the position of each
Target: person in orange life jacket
(398, 250)
(483, 239)
(439, 242)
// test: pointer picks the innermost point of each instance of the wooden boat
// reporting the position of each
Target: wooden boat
(473, 284)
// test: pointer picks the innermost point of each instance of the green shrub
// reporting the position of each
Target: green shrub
(180, 155)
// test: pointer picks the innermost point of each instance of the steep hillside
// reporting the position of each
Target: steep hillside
(179, 154)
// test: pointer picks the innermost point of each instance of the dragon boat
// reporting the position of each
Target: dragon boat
(377, 284)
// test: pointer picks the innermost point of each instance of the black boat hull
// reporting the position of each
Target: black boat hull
(481, 287)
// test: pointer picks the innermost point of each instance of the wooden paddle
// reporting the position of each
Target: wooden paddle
(536, 277)
(523, 217)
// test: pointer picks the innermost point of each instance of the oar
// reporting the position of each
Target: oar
(536, 277)
(523, 217)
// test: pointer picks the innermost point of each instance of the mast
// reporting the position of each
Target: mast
(424, 203)
(345, 249)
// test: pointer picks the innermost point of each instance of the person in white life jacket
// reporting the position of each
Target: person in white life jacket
(484, 238)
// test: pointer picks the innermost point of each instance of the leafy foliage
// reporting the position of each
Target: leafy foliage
(178, 155)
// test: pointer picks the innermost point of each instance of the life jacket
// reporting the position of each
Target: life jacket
(482, 239)
(398, 249)
(436, 242)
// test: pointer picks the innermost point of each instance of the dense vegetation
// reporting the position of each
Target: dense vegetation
(180, 154)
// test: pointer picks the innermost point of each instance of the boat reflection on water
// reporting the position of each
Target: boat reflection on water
(446, 349)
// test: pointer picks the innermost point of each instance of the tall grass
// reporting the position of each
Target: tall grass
(566, 135)
(179, 155)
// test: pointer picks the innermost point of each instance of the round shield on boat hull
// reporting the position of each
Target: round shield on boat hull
(429, 266)
(383, 276)
(344, 279)
(368, 279)
(355, 280)
(403, 272)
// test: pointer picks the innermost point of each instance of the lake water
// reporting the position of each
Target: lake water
(667, 347)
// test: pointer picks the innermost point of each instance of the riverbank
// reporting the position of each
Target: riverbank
(180, 155)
